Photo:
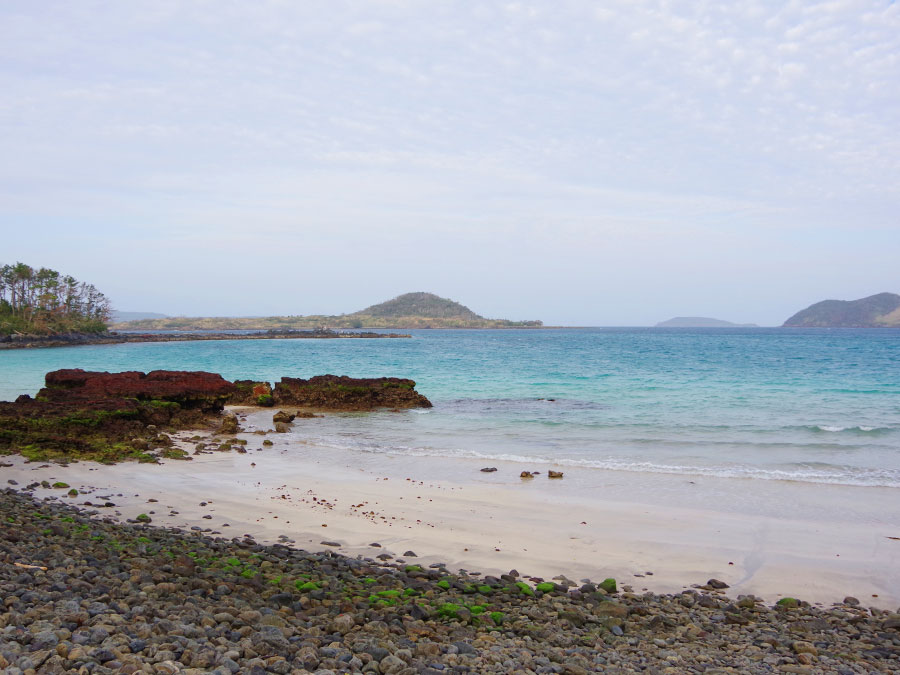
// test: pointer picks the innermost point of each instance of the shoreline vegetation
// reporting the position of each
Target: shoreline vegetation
(45, 302)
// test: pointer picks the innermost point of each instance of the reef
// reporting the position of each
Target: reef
(109, 417)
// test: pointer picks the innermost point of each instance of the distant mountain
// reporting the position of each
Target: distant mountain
(881, 310)
(410, 310)
(424, 305)
(119, 317)
(701, 322)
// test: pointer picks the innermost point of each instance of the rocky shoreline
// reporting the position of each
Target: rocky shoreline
(86, 594)
(110, 338)
(109, 417)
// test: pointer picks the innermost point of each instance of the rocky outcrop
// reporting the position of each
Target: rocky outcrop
(112, 416)
(333, 392)
(251, 392)
(190, 389)
(108, 416)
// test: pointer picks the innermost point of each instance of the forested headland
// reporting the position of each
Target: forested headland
(46, 302)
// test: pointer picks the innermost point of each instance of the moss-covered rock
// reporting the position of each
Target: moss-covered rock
(608, 585)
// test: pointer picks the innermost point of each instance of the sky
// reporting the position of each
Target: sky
(583, 163)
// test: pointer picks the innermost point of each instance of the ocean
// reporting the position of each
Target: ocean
(806, 405)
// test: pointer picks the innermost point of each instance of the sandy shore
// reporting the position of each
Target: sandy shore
(539, 527)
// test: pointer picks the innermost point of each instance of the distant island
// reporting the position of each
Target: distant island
(876, 311)
(118, 316)
(701, 322)
(410, 310)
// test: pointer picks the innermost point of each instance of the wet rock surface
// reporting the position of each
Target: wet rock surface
(94, 596)
(109, 417)
(333, 392)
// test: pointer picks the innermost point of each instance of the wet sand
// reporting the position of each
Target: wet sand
(496, 522)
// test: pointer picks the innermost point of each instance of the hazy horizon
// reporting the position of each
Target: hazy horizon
(614, 165)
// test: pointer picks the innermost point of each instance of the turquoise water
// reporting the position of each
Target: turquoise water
(790, 404)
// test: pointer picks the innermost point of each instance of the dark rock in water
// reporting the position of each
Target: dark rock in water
(229, 425)
(489, 469)
(716, 584)
(554, 474)
(283, 416)
(282, 427)
(332, 392)
(526, 474)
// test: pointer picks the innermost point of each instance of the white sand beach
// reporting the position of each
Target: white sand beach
(650, 531)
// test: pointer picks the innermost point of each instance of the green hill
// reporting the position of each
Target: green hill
(881, 310)
(410, 310)
(424, 305)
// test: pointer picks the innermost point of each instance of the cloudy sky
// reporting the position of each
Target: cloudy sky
(588, 163)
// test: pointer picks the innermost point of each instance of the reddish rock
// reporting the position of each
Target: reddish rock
(190, 389)
(250, 392)
(332, 392)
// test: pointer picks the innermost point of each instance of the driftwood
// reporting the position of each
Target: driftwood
(30, 567)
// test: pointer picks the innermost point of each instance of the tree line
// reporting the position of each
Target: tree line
(44, 301)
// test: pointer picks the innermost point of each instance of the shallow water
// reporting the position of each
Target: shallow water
(818, 406)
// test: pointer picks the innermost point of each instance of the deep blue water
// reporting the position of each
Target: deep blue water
(799, 404)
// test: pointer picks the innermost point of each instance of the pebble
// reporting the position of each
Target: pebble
(137, 598)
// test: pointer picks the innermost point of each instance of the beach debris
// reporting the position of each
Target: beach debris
(30, 567)
(554, 474)
(526, 474)
(489, 469)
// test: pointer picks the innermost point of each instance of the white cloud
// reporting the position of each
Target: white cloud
(634, 122)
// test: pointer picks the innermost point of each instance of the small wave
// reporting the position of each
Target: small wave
(817, 472)
(859, 428)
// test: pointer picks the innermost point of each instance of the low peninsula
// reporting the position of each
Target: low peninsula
(407, 311)
(29, 341)
(876, 311)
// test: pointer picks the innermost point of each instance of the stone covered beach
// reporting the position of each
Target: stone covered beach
(85, 594)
